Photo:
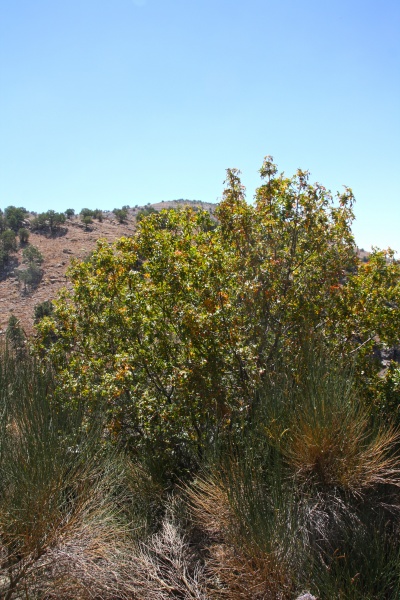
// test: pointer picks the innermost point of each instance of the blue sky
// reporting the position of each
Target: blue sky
(111, 102)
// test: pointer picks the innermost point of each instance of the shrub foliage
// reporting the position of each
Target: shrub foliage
(175, 328)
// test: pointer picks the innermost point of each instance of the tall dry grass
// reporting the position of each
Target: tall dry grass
(61, 526)
(293, 503)
(247, 555)
(303, 495)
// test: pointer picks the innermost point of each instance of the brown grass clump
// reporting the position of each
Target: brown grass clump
(209, 504)
(341, 451)
(80, 553)
(236, 567)
(92, 556)
(166, 567)
(244, 578)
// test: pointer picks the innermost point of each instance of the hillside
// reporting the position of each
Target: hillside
(72, 241)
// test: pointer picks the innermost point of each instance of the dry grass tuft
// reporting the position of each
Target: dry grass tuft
(165, 567)
(341, 452)
(85, 553)
(92, 555)
(209, 504)
(243, 578)
(236, 567)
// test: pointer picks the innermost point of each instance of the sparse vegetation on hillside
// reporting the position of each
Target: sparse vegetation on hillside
(8, 245)
(23, 235)
(14, 217)
(70, 239)
(121, 214)
(50, 221)
(145, 212)
(31, 274)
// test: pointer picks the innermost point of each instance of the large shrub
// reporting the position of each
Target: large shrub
(175, 328)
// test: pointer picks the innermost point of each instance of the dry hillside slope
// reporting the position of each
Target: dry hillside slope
(72, 242)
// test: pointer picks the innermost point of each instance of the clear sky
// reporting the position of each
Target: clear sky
(111, 102)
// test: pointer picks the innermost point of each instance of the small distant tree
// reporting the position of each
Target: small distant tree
(43, 309)
(32, 274)
(30, 277)
(86, 212)
(86, 220)
(3, 258)
(15, 217)
(121, 214)
(54, 220)
(50, 220)
(3, 223)
(23, 235)
(70, 213)
(8, 244)
(8, 241)
(98, 214)
(38, 223)
(15, 334)
(32, 254)
(86, 215)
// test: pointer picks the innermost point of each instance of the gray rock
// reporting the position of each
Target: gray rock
(306, 596)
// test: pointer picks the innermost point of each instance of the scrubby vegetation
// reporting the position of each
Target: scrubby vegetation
(87, 215)
(145, 212)
(31, 274)
(121, 214)
(8, 246)
(48, 222)
(207, 413)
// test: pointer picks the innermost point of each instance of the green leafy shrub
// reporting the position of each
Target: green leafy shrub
(181, 323)
(14, 217)
(121, 214)
(43, 309)
(23, 235)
